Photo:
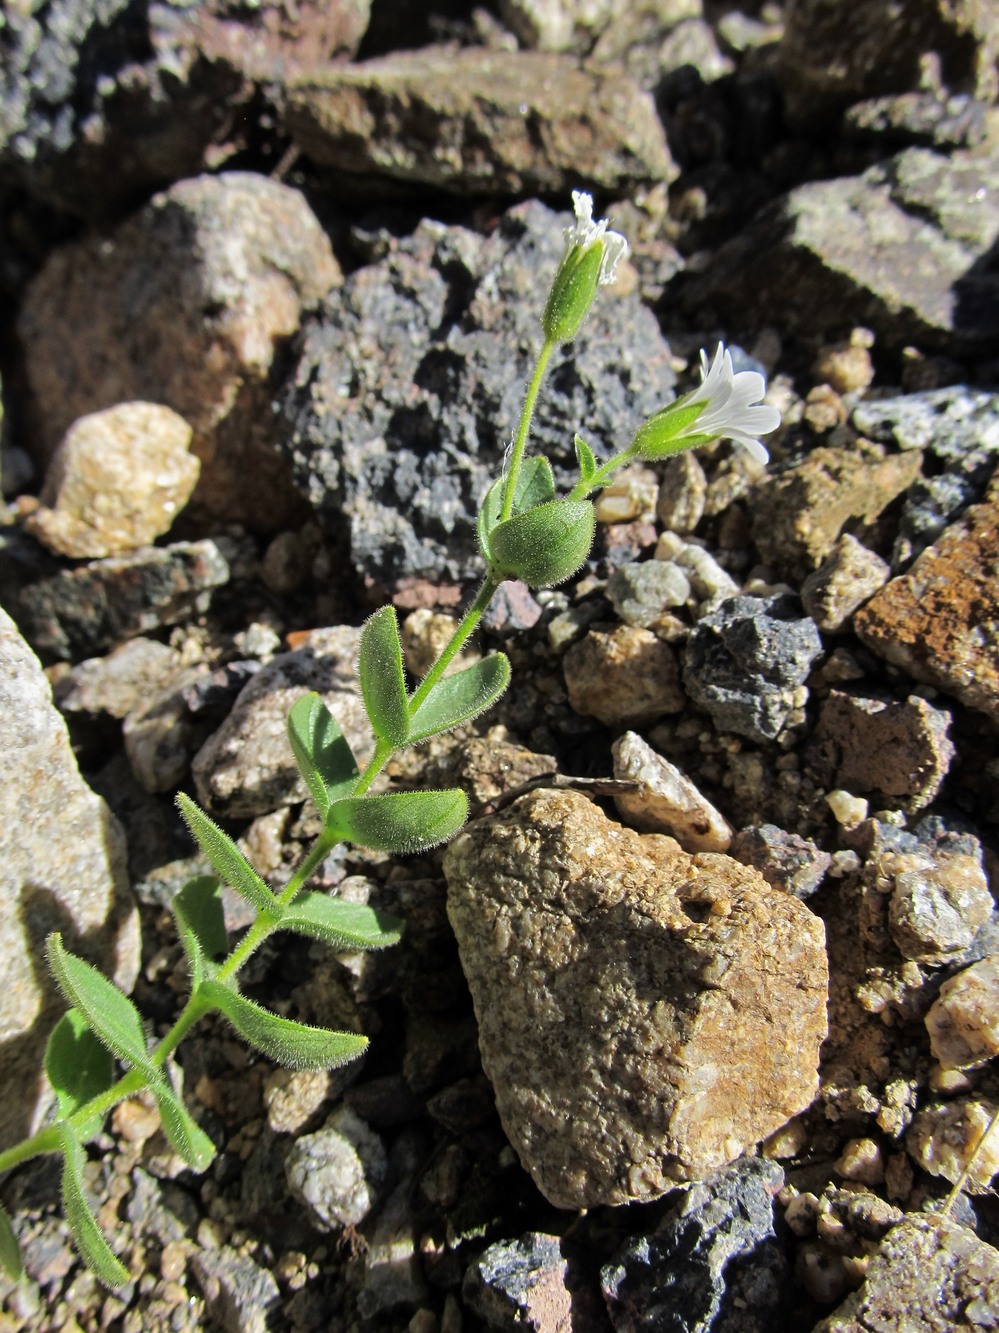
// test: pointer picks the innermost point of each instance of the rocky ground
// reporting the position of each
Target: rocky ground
(694, 1026)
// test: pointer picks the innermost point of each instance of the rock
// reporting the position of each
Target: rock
(240, 1296)
(116, 482)
(715, 1251)
(901, 249)
(746, 663)
(475, 120)
(162, 734)
(896, 751)
(80, 612)
(924, 119)
(667, 802)
(929, 1276)
(521, 1283)
(395, 437)
(339, 1172)
(785, 860)
(937, 904)
(624, 676)
(393, 1272)
(246, 768)
(631, 1032)
(947, 1138)
(802, 512)
(293, 1097)
(929, 621)
(577, 25)
(848, 577)
(641, 591)
(963, 1021)
(949, 423)
(63, 860)
(112, 686)
(834, 53)
(112, 319)
(680, 503)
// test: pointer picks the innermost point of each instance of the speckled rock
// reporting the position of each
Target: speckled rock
(112, 319)
(716, 1250)
(667, 801)
(407, 385)
(162, 734)
(945, 1138)
(963, 1021)
(62, 855)
(746, 663)
(929, 621)
(937, 904)
(642, 590)
(81, 612)
(929, 1276)
(240, 1295)
(521, 1283)
(682, 491)
(577, 25)
(802, 512)
(896, 751)
(849, 576)
(476, 120)
(631, 1032)
(785, 860)
(947, 423)
(339, 1172)
(116, 482)
(246, 768)
(112, 686)
(623, 676)
(931, 119)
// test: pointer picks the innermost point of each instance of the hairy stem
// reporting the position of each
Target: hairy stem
(523, 429)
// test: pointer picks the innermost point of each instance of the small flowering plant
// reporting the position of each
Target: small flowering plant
(525, 532)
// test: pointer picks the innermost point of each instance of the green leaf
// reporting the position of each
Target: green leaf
(345, 926)
(585, 458)
(111, 1015)
(383, 681)
(186, 1138)
(535, 486)
(89, 1238)
(227, 860)
(322, 753)
(295, 1045)
(10, 1251)
(407, 821)
(79, 1067)
(201, 923)
(460, 697)
(546, 545)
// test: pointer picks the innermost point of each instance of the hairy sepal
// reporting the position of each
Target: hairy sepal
(545, 546)
(535, 486)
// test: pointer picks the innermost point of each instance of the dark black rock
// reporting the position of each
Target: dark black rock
(785, 860)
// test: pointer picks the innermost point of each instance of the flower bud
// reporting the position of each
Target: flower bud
(590, 261)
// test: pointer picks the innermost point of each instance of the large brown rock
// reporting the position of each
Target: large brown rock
(645, 1015)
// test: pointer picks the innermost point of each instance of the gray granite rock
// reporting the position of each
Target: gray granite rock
(666, 800)
(642, 590)
(644, 1015)
(339, 1172)
(409, 384)
(240, 1295)
(63, 868)
(746, 660)
(714, 1264)
(926, 119)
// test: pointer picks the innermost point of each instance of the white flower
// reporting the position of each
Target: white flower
(585, 232)
(732, 407)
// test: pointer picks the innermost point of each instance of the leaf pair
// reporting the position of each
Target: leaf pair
(545, 540)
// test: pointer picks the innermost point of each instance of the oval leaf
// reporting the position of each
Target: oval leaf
(546, 545)
(407, 821)
(294, 1045)
(109, 1013)
(186, 1137)
(226, 859)
(383, 682)
(89, 1238)
(344, 926)
(584, 457)
(322, 753)
(10, 1250)
(201, 923)
(78, 1065)
(535, 486)
(459, 698)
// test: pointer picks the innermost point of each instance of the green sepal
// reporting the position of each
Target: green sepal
(535, 486)
(201, 924)
(185, 1136)
(90, 1239)
(458, 698)
(294, 1045)
(10, 1250)
(346, 927)
(109, 1013)
(546, 545)
(573, 291)
(79, 1067)
(226, 859)
(586, 460)
(383, 681)
(668, 431)
(322, 752)
(408, 821)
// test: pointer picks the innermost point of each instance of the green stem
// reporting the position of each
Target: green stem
(517, 454)
(457, 641)
(599, 479)
(46, 1140)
